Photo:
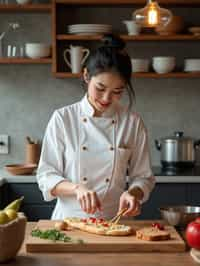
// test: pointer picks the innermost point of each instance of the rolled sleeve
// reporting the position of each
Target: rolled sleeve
(140, 173)
(51, 164)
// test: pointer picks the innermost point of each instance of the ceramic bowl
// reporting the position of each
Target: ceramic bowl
(11, 237)
(163, 64)
(21, 169)
(192, 65)
(37, 50)
(140, 65)
(176, 25)
(179, 215)
(23, 2)
(194, 30)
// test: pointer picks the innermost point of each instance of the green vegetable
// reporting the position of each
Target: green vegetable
(53, 235)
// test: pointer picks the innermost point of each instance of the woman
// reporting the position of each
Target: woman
(89, 145)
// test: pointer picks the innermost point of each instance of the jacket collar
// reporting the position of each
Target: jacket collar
(88, 110)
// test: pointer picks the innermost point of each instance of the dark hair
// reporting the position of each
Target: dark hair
(111, 57)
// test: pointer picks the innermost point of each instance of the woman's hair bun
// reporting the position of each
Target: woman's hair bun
(113, 41)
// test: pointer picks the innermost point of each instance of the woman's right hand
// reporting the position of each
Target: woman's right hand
(88, 199)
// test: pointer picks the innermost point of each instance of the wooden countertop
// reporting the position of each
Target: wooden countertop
(99, 259)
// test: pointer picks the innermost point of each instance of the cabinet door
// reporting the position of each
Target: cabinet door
(33, 204)
(193, 194)
(162, 195)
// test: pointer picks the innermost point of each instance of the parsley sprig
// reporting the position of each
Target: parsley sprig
(54, 235)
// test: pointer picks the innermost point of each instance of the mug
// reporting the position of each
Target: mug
(78, 55)
(132, 27)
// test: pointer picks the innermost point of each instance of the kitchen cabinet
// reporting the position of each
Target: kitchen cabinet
(67, 12)
(164, 194)
(33, 204)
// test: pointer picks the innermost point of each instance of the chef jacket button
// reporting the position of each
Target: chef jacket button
(107, 180)
(84, 178)
(113, 121)
(111, 148)
(84, 148)
(84, 119)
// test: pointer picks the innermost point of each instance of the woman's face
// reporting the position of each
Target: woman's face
(103, 90)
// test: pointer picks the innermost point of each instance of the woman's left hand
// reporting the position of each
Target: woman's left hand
(131, 203)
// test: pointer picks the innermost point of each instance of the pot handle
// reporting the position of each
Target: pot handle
(158, 144)
(197, 144)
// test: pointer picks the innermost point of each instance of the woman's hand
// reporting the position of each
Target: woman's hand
(131, 203)
(88, 199)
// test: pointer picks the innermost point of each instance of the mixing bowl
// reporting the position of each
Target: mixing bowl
(179, 215)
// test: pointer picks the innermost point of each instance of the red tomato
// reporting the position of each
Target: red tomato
(193, 234)
(158, 226)
(105, 224)
(84, 220)
(101, 220)
(92, 219)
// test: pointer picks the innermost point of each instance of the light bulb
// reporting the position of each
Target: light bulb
(152, 15)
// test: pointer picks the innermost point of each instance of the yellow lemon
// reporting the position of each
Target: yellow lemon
(12, 214)
(3, 217)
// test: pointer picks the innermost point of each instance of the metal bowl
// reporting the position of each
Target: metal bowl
(179, 215)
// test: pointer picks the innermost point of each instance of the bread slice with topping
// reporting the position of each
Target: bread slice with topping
(152, 234)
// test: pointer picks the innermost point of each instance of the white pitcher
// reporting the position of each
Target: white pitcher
(78, 55)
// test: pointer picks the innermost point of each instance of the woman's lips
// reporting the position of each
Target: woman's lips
(103, 104)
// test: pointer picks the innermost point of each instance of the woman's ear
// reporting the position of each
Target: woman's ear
(85, 75)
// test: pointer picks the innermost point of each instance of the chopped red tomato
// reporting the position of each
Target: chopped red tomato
(84, 220)
(105, 224)
(101, 220)
(158, 226)
(93, 220)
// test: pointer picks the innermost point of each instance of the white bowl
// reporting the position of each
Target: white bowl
(132, 27)
(164, 64)
(37, 50)
(23, 2)
(192, 65)
(140, 65)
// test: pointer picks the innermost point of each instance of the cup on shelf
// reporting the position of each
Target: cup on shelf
(163, 64)
(192, 65)
(132, 27)
(140, 65)
(78, 55)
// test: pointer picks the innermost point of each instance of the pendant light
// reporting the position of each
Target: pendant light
(152, 15)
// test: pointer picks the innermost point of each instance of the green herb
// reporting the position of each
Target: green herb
(53, 235)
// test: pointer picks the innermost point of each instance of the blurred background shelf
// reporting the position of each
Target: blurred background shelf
(25, 8)
(138, 75)
(25, 61)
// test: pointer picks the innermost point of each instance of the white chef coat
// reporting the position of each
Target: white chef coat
(95, 151)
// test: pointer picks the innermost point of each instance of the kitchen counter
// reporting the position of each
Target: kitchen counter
(185, 176)
(99, 259)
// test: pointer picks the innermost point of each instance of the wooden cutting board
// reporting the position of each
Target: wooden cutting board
(98, 243)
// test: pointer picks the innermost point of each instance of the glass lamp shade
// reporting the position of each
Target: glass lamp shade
(152, 15)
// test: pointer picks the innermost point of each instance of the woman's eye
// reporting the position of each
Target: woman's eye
(99, 89)
(117, 92)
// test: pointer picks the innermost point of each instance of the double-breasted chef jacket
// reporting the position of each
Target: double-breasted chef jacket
(94, 151)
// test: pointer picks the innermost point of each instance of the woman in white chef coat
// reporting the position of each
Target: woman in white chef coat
(89, 145)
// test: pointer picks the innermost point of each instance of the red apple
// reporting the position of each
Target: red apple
(193, 234)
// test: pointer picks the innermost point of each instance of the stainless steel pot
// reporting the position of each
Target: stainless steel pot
(177, 150)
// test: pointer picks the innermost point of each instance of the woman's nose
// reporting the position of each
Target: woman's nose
(107, 98)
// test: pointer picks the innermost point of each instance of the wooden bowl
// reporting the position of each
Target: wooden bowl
(176, 25)
(21, 169)
(11, 237)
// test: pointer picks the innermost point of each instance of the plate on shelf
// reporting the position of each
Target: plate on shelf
(89, 29)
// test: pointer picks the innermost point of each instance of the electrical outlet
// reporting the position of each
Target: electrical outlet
(4, 144)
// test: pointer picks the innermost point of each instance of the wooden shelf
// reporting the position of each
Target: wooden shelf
(131, 2)
(138, 75)
(25, 61)
(141, 37)
(25, 8)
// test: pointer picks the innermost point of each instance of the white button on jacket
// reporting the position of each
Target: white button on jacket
(96, 152)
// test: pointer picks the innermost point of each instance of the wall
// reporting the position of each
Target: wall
(29, 93)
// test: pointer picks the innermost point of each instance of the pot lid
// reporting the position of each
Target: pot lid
(178, 136)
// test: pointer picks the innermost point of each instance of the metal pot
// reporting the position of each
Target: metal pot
(177, 150)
